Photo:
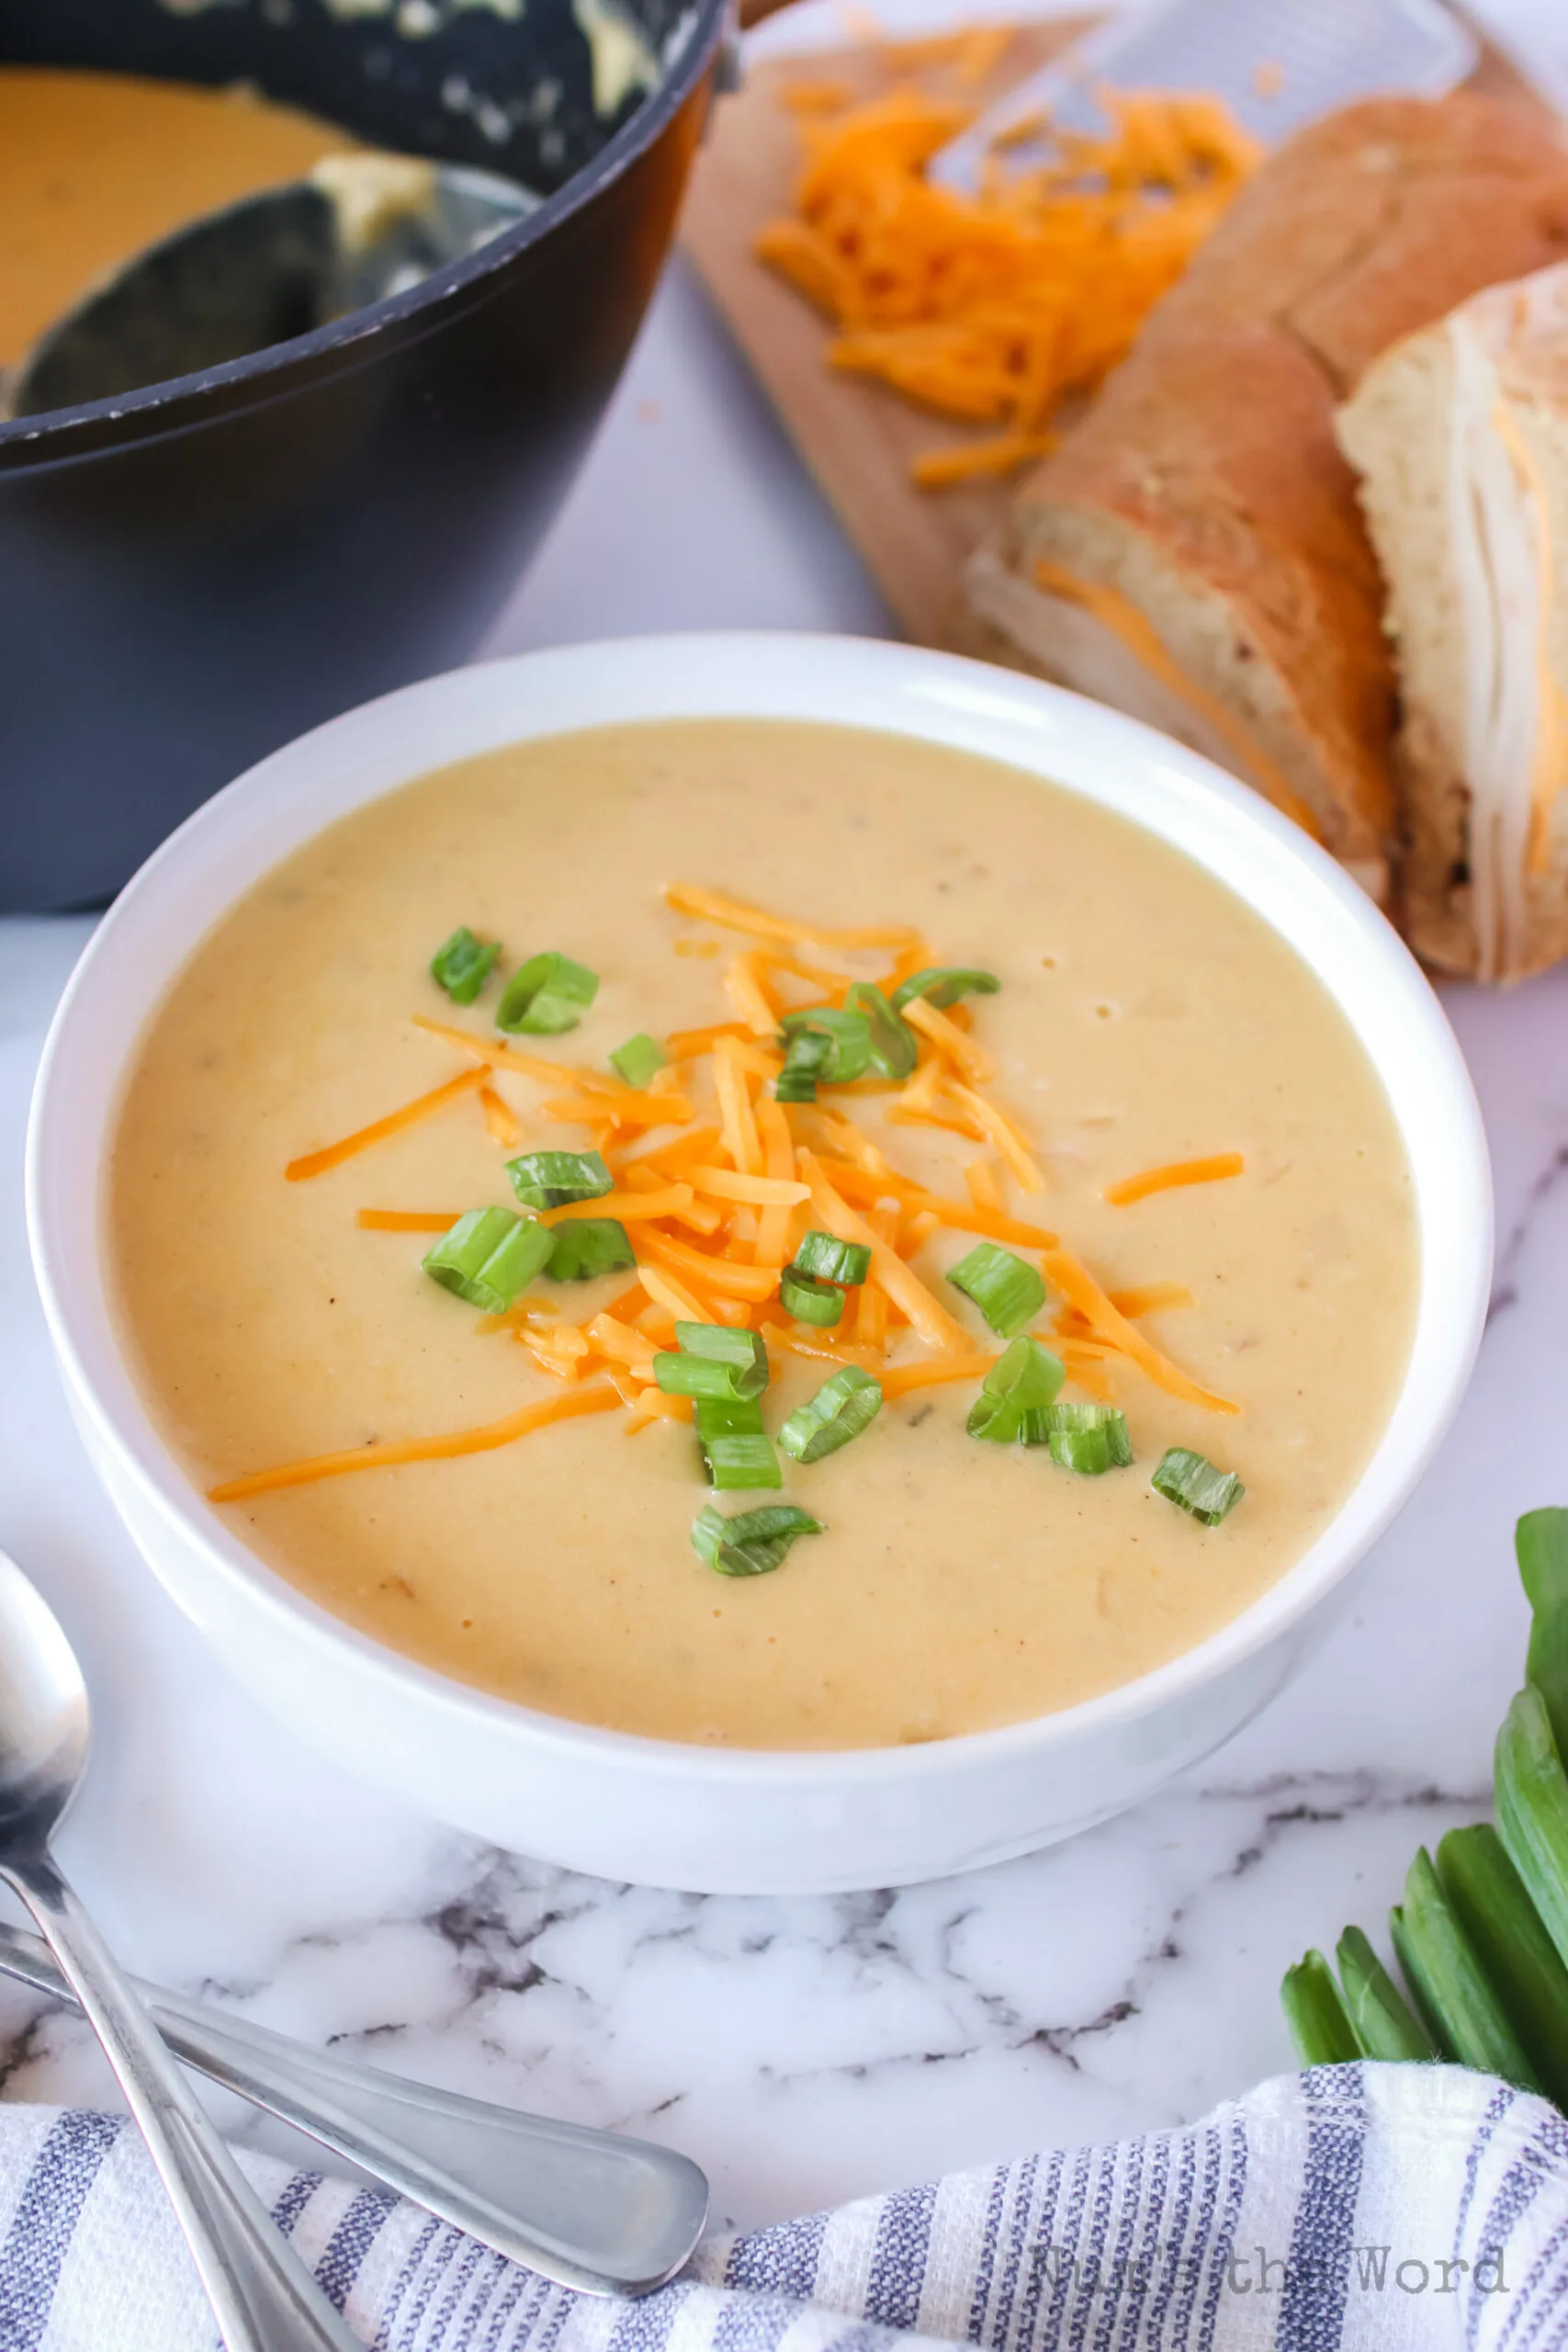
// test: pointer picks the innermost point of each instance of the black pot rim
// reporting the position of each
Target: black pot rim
(66, 432)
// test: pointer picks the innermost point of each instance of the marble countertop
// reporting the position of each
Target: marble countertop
(802, 2050)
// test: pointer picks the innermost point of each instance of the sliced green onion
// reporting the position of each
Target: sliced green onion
(1007, 1292)
(544, 1179)
(1090, 1438)
(943, 984)
(734, 1449)
(1451, 1984)
(679, 1374)
(848, 1035)
(741, 1460)
(729, 1417)
(1487, 1896)
(725, 1344)
(808, 1300)
(1384, 2024)
(829, 1259)
(842, 1407)
(804, 1063)
(586, 1247)
(1532, 1804)
(1319, 2023)
(462, 963)
(712, 1360)
(1193, 1484)
(1085, 1451)
(753, 1543)
(893, 1047)
(488, 1257)
(1541, 1540)
(546, 995)
(639, 1058)
(1024, 1379)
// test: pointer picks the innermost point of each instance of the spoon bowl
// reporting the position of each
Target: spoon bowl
(252, 274)
(262, 2298)
(44, 1719)
(593, 2210)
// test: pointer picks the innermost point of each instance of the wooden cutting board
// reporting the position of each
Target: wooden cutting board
(857, 437)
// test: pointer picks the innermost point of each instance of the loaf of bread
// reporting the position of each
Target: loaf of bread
(1459, 435)
(1195, 552)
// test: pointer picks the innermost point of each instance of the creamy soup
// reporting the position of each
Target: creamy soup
(1144, 1019)
(95, 167)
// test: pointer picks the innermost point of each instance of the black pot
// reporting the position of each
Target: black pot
(193, 573)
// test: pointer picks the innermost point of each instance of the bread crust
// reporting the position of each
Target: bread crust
(1223, 457)
(1377, 221)
(1212, 449)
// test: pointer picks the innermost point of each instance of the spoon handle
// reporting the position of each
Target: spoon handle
(262, 2298)
(590, 2209)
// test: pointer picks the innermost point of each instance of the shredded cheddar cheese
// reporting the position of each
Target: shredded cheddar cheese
(717, 1212)
(500, 1117)
(316, 1163)
(407, 1220)
(1172, 1176)
(675, 1158)
(665, 1291)
(733, 914)
(630, 1207)
(1004, 1134)
(1549, 748)
(690, 1045)
(1078, 1286)
(772, 1239)
(750, 994)
(445, 1448)
(970, 1060)
(993, 307)
(980, 1176)
(960, 1365)
(652, 1405)
(625, 1109)
(495, 1054)
(728, 1185)
(713, 1272)
(904, 1288)
(1151, 1298)
(1118, 614)
(738, 1123)
(617, 1342)
(858, 1185)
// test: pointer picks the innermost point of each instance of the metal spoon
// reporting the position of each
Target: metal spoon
(255, 272)
(593, 2210)
(262, 2296)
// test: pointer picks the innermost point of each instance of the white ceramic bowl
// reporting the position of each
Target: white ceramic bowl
(648, 1810)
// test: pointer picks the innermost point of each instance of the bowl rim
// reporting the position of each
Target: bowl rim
(956, 698)
(57, 434)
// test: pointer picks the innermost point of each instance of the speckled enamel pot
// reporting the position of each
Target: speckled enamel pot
(192, 574)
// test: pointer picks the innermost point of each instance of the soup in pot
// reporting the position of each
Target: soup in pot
(95, 167)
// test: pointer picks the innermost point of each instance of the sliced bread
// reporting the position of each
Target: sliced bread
(1194, 551)
(1461, 436)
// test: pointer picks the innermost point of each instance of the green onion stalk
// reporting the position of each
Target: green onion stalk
(1481, 1937)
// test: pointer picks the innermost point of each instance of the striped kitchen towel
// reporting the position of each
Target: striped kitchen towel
(1372, 2209)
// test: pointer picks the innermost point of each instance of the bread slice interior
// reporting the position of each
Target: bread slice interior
(1459, 435)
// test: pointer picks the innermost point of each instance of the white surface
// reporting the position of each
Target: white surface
(802, 2050)
(735, 1820)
